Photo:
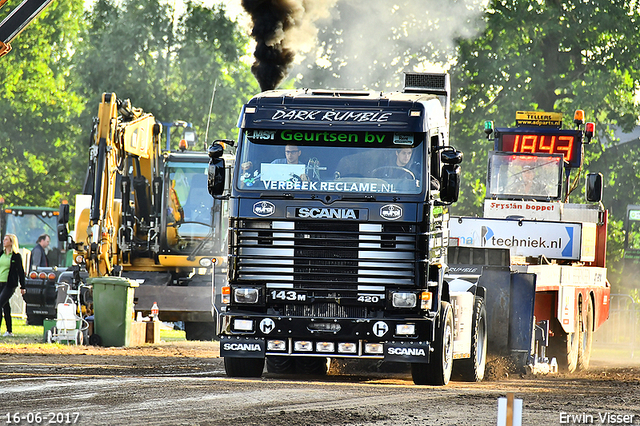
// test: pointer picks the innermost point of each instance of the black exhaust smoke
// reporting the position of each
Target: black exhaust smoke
(280, 27)
(271, 20)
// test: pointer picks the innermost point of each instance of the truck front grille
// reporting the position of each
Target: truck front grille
(324, 254)
(325, 310)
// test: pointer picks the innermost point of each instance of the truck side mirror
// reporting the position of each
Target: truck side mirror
(63, 219)
(450, 180)
(450, 185)
(593, 187)
(215, 182)
(63, 213)
(451, 155)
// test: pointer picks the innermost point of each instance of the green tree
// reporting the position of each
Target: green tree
(38, 104)
(166, 64)
(544, 56)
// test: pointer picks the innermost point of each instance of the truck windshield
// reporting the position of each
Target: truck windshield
(531, 176)
(27, 227)
(188, 205)
(319, 161)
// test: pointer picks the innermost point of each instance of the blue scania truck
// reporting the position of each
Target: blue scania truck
(338, 235)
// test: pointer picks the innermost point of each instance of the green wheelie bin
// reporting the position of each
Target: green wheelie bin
(112, 310)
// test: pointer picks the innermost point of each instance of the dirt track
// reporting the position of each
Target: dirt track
(184, 383)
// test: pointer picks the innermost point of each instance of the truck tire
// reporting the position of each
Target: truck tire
(280, 365)
(586, 340)
(311, 366)
(472, 369)
(243, 367)
(438, 371)
(204, 331)
(564, 347)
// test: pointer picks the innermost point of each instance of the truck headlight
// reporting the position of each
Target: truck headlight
(403, 300)
(245, 295)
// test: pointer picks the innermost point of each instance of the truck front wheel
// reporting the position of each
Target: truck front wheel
(438, 371)
(472, 369)
(243, 367)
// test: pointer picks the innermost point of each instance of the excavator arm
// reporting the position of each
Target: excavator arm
(17, 20)
(125, 138)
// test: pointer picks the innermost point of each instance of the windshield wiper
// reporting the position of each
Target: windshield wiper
(284, 195)
(363, 197)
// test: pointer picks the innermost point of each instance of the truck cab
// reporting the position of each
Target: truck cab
(338, 231)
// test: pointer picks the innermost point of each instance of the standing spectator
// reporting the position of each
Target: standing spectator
(11, 274)
(38, 254)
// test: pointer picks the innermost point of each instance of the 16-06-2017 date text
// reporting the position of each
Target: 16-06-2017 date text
(44, 418)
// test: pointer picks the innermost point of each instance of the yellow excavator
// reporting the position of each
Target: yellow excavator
(146, 215)
(17, 20)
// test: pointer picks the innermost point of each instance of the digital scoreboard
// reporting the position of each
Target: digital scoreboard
(541, 141)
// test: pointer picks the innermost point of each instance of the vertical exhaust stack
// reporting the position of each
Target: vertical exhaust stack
(438, 84)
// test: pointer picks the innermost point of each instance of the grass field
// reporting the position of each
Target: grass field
(26, 334)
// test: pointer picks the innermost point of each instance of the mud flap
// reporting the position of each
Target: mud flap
(241, 347)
